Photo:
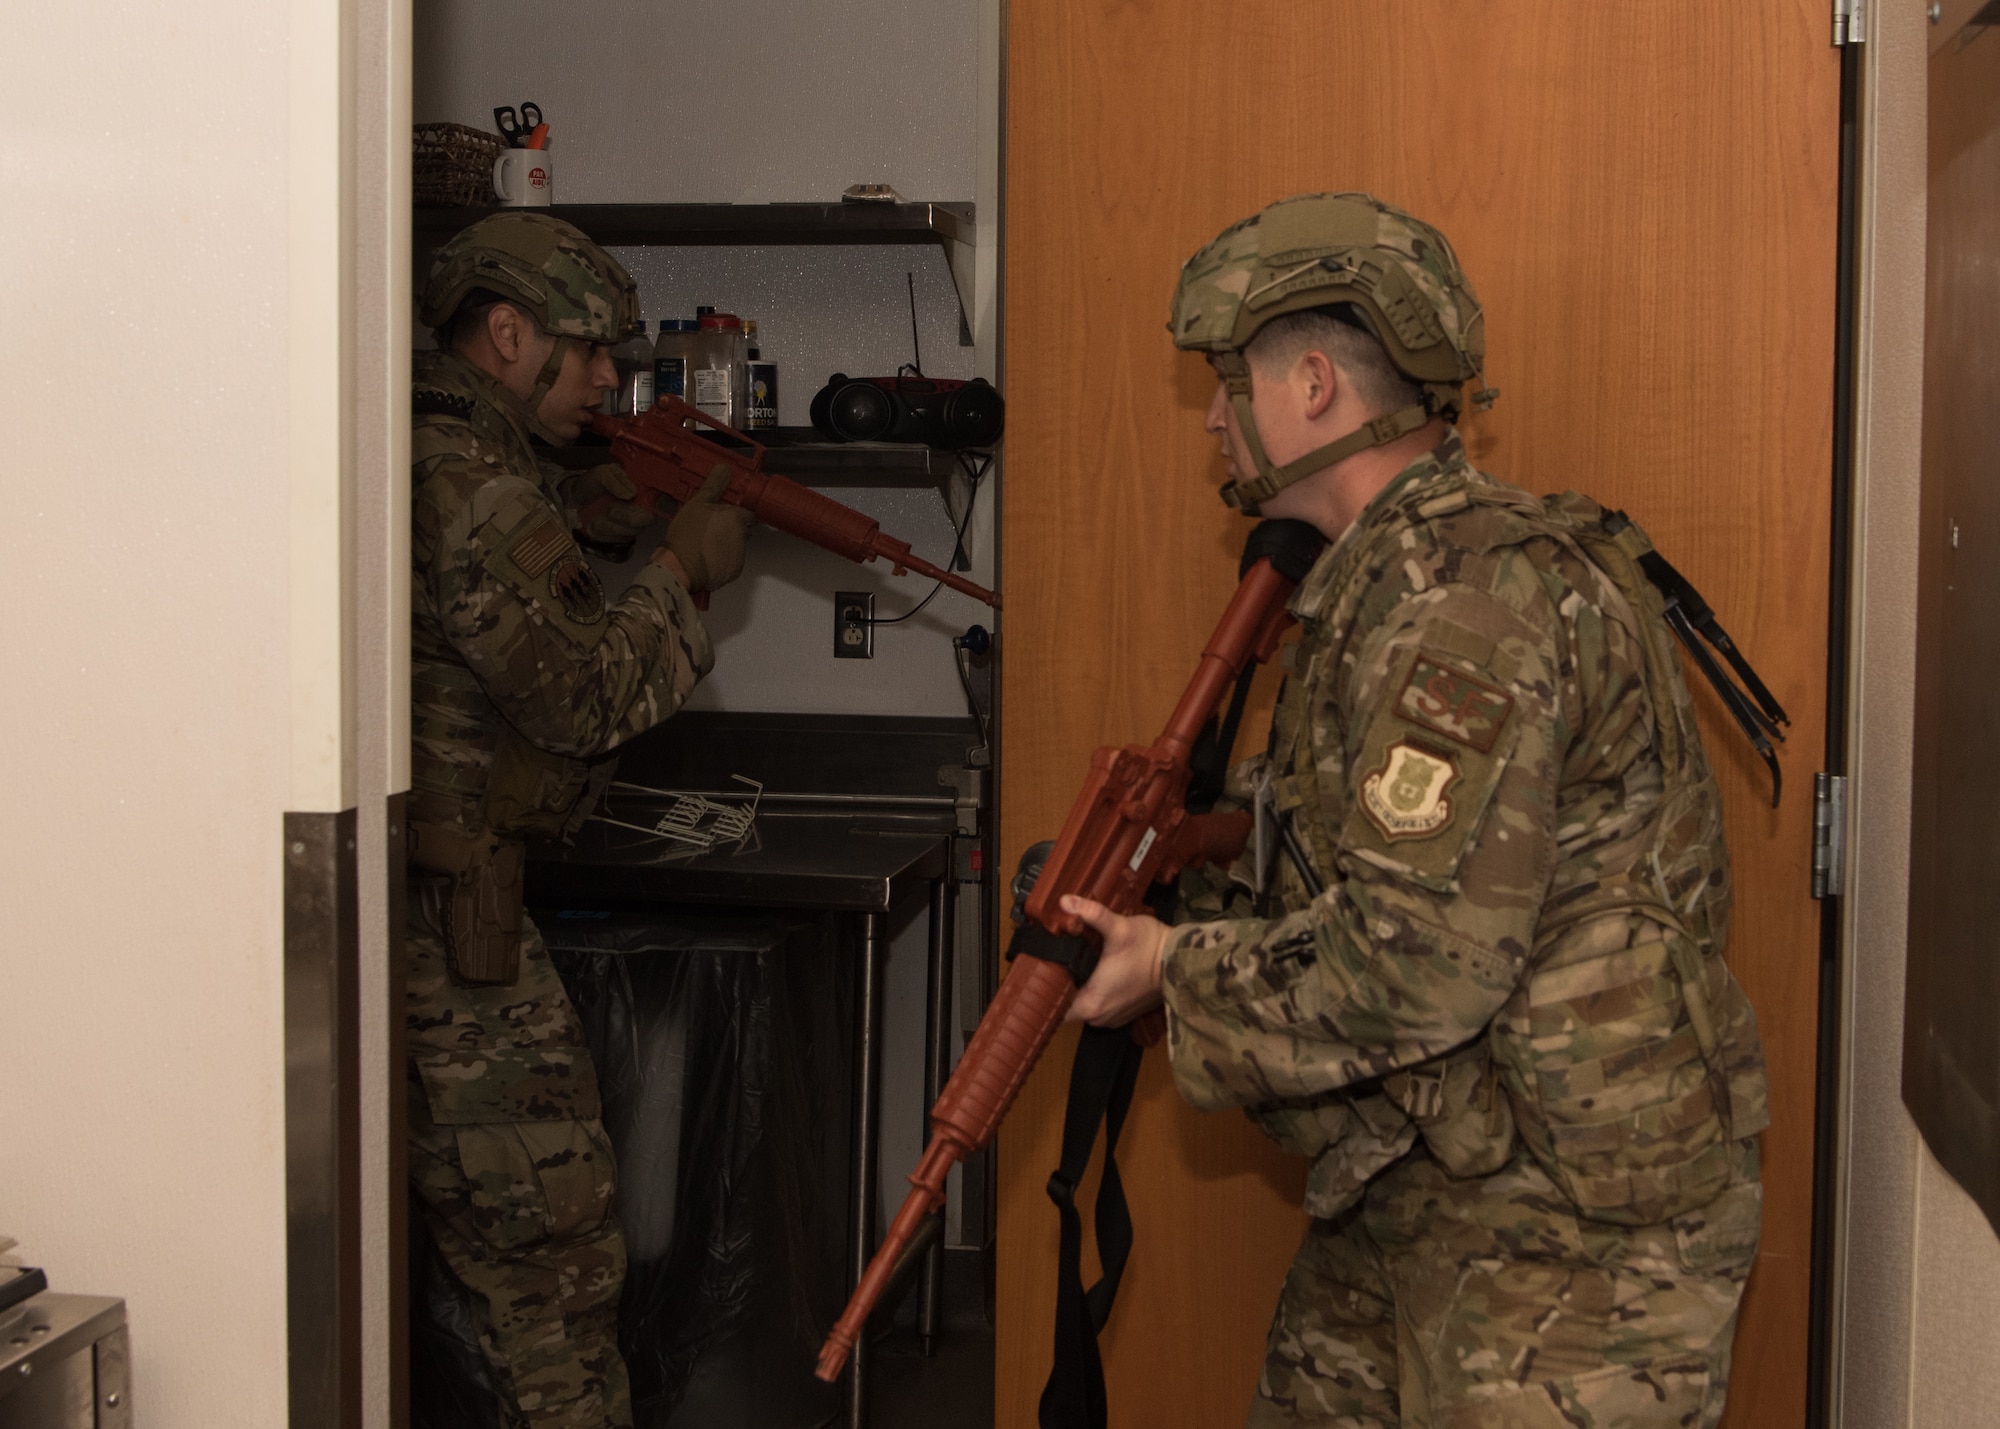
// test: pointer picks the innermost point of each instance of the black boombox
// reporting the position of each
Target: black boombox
(945, 412)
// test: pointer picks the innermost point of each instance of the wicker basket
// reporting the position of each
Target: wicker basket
(454, 165)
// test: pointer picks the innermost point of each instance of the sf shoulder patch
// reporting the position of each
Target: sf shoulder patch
(1452, 703)
(1408, 797)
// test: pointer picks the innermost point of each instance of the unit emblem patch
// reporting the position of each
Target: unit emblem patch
(1406, 797)
(1453, 704)
(577, 587)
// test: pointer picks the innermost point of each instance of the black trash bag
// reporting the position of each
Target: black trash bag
(451, 1385)
(724, 1056)
(723, 1048)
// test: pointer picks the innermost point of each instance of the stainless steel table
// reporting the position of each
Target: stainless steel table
(63, 1363)
(825, 856)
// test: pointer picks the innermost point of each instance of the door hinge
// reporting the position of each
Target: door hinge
(1849, 21)
(1829, 854)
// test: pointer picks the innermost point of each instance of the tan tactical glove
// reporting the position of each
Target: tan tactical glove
(707, 537)
(607, 485)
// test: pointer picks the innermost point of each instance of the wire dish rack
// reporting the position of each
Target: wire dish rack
(692, 823)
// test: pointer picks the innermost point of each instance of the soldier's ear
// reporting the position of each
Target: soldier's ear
(506, 330)
(1318, 381)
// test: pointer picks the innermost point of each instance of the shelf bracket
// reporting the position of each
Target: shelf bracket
(953, 224)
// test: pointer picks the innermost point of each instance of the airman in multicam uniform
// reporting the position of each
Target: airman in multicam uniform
(1486, 995)
(523, 677)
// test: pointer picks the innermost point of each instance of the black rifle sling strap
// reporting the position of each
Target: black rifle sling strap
(1107, 1066)
(1692, 620)
(1757, 713)
(1100, 1093)
(1208, 764)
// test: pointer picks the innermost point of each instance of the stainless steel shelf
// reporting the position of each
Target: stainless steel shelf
(803, 455)
(692, 224)
(949, 226)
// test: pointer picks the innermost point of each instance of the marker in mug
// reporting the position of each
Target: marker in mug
(524, 178)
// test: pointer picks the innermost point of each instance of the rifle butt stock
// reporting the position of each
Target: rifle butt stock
(1011, 1037)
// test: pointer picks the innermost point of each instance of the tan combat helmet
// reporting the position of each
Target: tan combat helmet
(573, 289)
(1395, 273)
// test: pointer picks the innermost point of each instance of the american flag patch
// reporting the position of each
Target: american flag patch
(537, 551)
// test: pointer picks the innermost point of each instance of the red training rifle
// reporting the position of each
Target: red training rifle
(1128, 829)
(665, 455)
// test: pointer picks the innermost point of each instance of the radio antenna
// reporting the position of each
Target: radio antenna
(916, 352)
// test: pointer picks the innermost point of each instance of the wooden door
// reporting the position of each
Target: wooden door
(1646, 202)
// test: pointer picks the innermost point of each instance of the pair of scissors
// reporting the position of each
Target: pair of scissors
(516, 130)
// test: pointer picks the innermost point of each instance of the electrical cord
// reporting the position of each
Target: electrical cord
(960, 658)
(975, 639)
(973, 476)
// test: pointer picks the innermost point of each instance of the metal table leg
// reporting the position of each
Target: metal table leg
(937, 1065)
(866, 1151)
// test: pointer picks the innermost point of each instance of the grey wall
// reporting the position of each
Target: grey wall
(767, 101)
(755, 101)
(773, 629)
(818, 310)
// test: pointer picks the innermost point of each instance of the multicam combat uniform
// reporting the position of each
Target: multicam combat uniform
(521, 672)
(1504, 1030)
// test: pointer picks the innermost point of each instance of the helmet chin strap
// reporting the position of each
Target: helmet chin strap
(544, 380)
(1248, 496)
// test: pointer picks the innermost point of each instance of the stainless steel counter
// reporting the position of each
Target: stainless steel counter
(63, 1362)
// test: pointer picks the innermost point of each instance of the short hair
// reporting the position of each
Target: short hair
(1347, 343)
(470, 317)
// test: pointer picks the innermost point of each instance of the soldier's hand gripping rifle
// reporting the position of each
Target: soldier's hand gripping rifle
(665, 455)
(1128, 829)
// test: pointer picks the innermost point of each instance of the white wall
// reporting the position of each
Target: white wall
(1920, 1268)
(145, 386)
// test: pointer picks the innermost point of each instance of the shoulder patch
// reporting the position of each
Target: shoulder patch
(536, 549)
(429, 402)
(576, 585)
(540, 561)
(1407, 798)
(1447, 701)
(1425, 769)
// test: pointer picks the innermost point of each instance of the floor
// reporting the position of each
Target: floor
(955, 1385)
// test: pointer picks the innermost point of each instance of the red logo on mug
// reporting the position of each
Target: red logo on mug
(538, 177)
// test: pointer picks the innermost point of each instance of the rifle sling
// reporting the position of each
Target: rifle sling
(1677, 589)
(1208, 765)
(1100, 1093)
(1075, 953)
(1107, 1062)
(1755, 726)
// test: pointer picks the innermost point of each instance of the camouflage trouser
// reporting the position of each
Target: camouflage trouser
(508, 1154)
(1485, 1304)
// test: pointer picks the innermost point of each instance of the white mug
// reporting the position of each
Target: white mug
(524, 178)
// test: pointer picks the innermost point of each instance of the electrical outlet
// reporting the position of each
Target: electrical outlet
(853, 625)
